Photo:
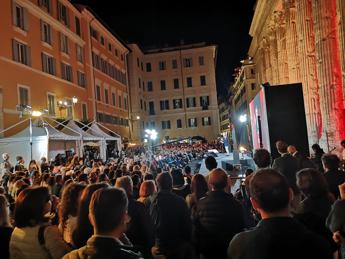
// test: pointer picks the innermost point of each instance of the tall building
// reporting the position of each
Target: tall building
(173, 90)
(224, 121)
(52, 51)
(304, 42)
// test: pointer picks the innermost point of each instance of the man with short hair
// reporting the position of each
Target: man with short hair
(109, 218)
(302, 160)
(210, 163)
(277, 235)
(262, 158)
(218, 217)
(333, 175)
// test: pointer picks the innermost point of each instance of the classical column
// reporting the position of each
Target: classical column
(329, 72)
(306, 43)
(341, 33)
(283, 69)
(273, 53)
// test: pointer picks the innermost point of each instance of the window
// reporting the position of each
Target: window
(162, 65)
(252, 71)
(116, 52)
(177, 103)
(120, 104)
(202, 80)
(45, 5)
(46, 32)
(148, 67)
(20, 17)
(151, 108)
(206, 121)
(253, 86)
(102, 40)
(63, 14)
(142, 66)
(141, 104)
(176, 83)
(51, 104)
(149, 86)
(23, 96)
(143, 86)
(153, 124)
(48, 64)
(106, 96)
(69, 109)
(188, 62)
(174, 63)
(192, 122)
(66, 72)
(166, 125)
(164, 105)
(94, 33)
(179, 123)
(139, 82)
(113, 97)
(95, 60)
(138, 62)
(81, 79)
(189, 82)
(191, 102)
(63, 43)
(84, 111)
(145, 105)
(110, 47)
(77, 26)
(122, 57)
(21, 52)
(125, 102)
(80, 54)
(204, 102)
(163, 86)
(201, 60)
(98, 93)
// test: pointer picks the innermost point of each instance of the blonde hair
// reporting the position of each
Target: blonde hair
(147, 188)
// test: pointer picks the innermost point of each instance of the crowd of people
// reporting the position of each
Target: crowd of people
(130, 207)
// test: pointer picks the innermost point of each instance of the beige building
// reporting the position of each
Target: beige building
(224, 121)
(173, 90)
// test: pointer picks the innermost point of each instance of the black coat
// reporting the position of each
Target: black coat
(287, 165)
(218, 217)
(279, 238)
(334, 178)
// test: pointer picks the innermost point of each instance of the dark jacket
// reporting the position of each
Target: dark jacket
(334, 178)
(171, 219)
(103, 248)
(182, 191)
(287, 165)
(5, 236)
(218, 217)
(279, 238)
(303, 161)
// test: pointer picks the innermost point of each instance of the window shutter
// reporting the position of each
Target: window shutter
(25, 19)
(203, 121)
(28, 55)
(209, 120)
(201, 103)
(187, 99)
(14, 13)
(15, 50)
(196, 122)
(59, 10)
(42, 30)
(54, 66)
(194, 101)
(208, 100)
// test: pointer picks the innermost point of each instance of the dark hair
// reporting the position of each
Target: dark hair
(281, 146)
(177, 177)
(107, 216)
(342, 143)
(316, 148)
(330, 161)
(199, 186)
(270, 190)
(135, 179)
(84, 230)
(312, 183)
(262, 158)
(83, 178)
(148, 177)
(210, 163)
(29, 208)
(187, 169)
(164, 181)
(102, 178)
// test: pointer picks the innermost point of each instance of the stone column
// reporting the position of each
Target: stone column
(306, 43)
(283, 69)
(329, 72)
(273, 53)
(341, 33)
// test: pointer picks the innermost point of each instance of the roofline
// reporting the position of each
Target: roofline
(178, 47)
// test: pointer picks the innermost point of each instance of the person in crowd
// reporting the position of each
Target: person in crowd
(5, 169)
(20, 164)
(286, 164)
(180, 188)
(33, 237)
(217, 219)
(199, 190)
(277, 235)
(302, 160)
(262, 158)
(172, 222)
(140, 229)
(136, 185)
(210, 163)
(147, 189)
(188, 174)
(83, 229)
(316, 157)
(68, 210)
(333, 175)
(5, 227)
(33, 166)
(109, 223)
(44, 165)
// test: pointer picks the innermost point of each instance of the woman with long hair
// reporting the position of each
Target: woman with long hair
(33, 166)
(5, 227)
(33, 237)
(147, 189)
(199, 189)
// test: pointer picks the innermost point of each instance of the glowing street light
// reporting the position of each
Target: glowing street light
(138, 117)
(74, 100)
(36, 114)
(243, 118)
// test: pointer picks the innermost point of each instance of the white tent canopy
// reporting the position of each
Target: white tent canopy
(95, 130)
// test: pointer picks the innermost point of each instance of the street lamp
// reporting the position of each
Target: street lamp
(152, 134)
(243, 118)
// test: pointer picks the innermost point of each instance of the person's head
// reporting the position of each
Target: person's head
(136, 180)
(312, 183)
(342, 143)
(5, 156)
(4, 211)
(32, 162)
(19, 159)
(262, 158)
(187, 170)
(199, 186)
(316, 148)
(69, 201)
(104, 216)
(292, 149)
(177, 177)
(281, 147)
(148, 177)
(126, 183)
(218, 179)
(164, 182)
(330, 162)
(147, 188)
(269, 191)
(210, 163)
(32, 205)
(43, 160)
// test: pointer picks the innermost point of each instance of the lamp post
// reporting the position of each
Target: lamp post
(152, 135)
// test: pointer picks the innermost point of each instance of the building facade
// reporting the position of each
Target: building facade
(173, 90)
(304, 42)
(224, 117)
(52, 51)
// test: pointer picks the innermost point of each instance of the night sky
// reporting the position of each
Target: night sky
(156, 23)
